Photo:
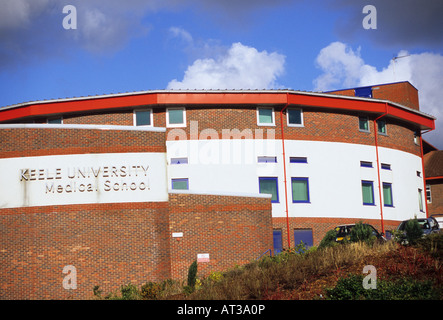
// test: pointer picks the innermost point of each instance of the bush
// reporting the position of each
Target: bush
(413, 231)
(329, 239)
(151, 290)
(351, 288)
(192, 277)
(361, 233)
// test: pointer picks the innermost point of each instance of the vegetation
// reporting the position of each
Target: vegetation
(331, 271)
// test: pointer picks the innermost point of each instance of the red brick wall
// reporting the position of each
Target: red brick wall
(26, 142)
(436, 204)
(233, 230)
(109, 245)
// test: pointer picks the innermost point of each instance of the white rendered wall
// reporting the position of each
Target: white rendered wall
(333, 170)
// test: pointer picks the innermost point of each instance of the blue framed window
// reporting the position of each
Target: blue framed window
(278, 241)
(179, 160)
(305, 236)
(180, 184)
(300, 190)
(386, 166)
(367, 188)
(387, 194)
(298, 159)
(269, 185)
(267, 159)
(366, 164)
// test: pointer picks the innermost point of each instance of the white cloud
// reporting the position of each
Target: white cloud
(343, 67)
(241, 67)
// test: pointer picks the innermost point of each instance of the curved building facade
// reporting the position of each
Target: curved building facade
(150, 181)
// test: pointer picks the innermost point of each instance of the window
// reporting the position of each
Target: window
(381, 126)
(298, 160)
(428, 193)
(265, 116)
(366, 164)
(175, 117)
(420, 199)
(180, 184)
(179, 160)
(367, 188)
(387, 194)
(386, 166)
(300, 190)
(295, 117)
(365, 92)
(58, 120)
(363, 124)
(419, 174)
(278, 243)
(267, 159)
(143, 117)
(269, 185)
(305, 236)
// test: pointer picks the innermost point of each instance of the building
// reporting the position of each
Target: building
(433, 163)
(133, 187)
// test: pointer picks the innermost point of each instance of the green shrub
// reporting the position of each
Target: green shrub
(361, 233)
(151, 290)
(192, 274)
(329, 239)
(413, 231)
(351, 288)
(129, 292)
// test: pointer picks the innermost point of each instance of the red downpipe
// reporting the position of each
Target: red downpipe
(284, 167)
(378, 167)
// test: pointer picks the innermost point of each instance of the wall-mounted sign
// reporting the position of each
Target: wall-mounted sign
(83, 178)
(203, 257)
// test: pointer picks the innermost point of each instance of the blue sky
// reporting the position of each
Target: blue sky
(135, 45)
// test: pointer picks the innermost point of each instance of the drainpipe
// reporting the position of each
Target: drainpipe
(284, 167)
(378, 166)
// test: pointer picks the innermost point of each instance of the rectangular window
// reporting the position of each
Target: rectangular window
(367, 188)
(295, 117)
(179, 160)
(298, 160)
(386, 166)
(419, 174)
(278, 242)
(267, 159)
(269, 185)
(180, 184)
(363, 124)
(387, 194)
(428, 193)
(175, 117)
(265, 116)
(416, 138)
(300, 190)
(366, 164)
(420, 199)
(364, 92)
(143, 117)
(58, 120)
(305, 236)
(381, 126)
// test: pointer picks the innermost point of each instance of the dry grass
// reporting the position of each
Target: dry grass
(283, 276)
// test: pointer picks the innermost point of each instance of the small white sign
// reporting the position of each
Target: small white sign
(203, 257)
(177, 234)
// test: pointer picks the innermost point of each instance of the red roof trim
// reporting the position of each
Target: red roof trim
(208, 98)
